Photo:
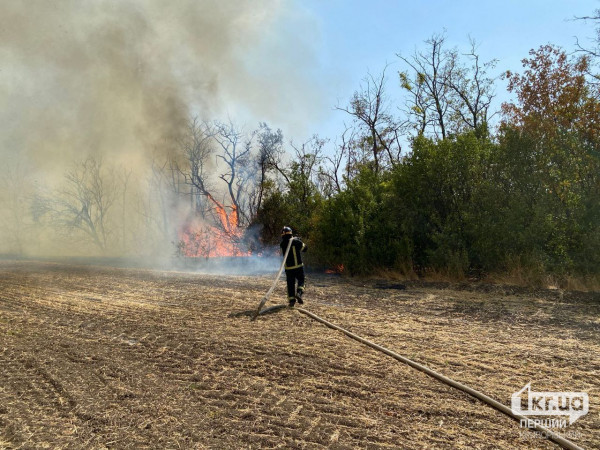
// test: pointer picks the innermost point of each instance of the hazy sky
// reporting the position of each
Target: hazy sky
(119, 76)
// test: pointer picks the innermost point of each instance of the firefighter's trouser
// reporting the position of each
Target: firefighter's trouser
(292, 275)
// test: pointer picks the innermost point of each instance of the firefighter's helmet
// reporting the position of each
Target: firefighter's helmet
(286, 230)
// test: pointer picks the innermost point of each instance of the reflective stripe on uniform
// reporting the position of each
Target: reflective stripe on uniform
(296, 265)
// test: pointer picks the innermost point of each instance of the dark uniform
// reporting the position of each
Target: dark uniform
(294, 268)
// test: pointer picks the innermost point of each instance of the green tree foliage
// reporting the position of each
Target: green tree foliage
(296, 200)
(526, 197)
(274, 212)
(434, 191)
(355, 230)
(557, 116)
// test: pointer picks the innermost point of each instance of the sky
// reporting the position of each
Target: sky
(350, 38)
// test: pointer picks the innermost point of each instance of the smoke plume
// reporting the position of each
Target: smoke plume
(119, 80)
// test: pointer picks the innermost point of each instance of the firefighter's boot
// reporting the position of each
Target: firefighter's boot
(299, 295)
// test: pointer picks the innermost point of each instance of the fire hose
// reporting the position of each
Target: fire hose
(270, 291)
(478, 395)
(555, 437)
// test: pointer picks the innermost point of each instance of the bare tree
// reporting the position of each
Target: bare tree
(369, 107)
(337, 166)
(124, 177)
(236, 148)
(592, 51)
(82, 203)
(270, 145)
(446, 95)
(418, 106)
(231, 148)
(471, 89)
(198, 150)
(428, 85)
(158, 204)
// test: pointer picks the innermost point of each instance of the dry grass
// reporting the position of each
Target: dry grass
(544, 281)
(139, 359)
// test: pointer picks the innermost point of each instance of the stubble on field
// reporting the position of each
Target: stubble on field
(105, 357)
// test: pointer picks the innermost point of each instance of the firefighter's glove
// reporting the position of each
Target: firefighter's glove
(305, 248)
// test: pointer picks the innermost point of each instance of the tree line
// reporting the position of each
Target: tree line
(520, 197)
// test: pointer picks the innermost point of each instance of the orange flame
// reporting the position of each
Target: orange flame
(338, 269)
(208, 241)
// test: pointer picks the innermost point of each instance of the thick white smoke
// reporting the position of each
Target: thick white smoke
(119, 79)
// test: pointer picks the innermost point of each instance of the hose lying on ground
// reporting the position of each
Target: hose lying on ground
(484, 398)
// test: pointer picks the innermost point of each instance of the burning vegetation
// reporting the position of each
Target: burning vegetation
(208, 241)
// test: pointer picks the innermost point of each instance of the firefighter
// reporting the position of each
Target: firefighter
(294, 268)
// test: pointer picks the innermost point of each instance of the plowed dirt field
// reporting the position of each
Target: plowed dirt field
(99, 357)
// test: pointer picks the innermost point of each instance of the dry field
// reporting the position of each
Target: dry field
(94, 357)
